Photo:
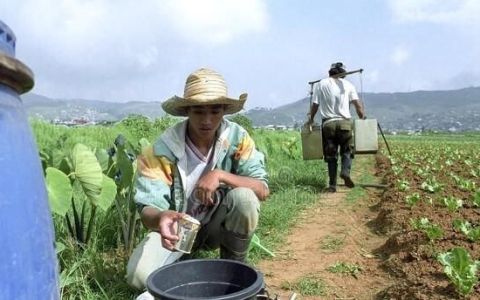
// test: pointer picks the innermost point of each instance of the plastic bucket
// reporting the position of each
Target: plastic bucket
(196, 279)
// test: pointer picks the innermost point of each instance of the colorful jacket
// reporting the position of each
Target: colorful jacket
(161, 168)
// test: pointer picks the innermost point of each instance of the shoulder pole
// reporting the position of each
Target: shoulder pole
(340, 75)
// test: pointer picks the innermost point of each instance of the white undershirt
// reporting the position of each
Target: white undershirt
(197, 165)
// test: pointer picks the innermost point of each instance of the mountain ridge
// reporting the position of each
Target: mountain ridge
(452, 110)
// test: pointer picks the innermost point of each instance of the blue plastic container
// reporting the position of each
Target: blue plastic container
(28, 264)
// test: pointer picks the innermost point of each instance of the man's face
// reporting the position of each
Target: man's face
(203, 121)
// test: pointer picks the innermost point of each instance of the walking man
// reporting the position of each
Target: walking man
(333, 96)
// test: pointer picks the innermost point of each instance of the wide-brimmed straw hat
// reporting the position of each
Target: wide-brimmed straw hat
(204, 87)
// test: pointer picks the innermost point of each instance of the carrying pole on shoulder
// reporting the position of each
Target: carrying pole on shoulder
(338, 75)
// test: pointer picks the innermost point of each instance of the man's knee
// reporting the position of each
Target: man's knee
(330, 149)
(148, 256)
(244, 200)
(245, 209)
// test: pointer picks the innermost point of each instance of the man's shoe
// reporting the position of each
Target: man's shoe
(332, 189)
(348, 181)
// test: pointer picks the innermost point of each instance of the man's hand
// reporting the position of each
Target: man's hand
(312, 113)
(309, 119)
(168, 228)
(206, 187)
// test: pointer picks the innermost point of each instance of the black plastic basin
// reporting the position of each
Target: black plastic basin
(196, 279)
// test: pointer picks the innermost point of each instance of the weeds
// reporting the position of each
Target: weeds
(345, 268)
(310, 285)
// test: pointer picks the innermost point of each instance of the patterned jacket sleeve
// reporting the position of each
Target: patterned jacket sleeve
(153, 181)
(251, 162)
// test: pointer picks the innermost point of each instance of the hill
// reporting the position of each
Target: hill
(453, 110)
(91, 110)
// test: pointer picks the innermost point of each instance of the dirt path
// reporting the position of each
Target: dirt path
(335, 231)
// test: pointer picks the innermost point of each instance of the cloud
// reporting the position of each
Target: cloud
(215, 21)
(460, 12)
(78, 43)
(400, 55)
(122, 29)
(372, 76)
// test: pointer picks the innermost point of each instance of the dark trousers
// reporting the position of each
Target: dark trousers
(337, 135)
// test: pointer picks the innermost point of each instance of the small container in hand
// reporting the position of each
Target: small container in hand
(187, 231)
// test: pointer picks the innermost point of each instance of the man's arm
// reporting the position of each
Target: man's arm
(359, 108)
(313, 111)
(210, 182)
(259, 187)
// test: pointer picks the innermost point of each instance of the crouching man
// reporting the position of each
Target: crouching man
(206, 167)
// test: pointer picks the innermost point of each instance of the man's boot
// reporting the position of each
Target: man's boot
(332, 175)
(345, 172)
(234, 246)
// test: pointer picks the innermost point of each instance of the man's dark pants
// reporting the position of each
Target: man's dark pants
(337, 134)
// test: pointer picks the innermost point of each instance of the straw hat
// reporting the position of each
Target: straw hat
(203, 87)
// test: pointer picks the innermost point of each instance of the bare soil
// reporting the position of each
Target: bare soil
(333, 231)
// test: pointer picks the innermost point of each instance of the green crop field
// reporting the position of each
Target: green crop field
(95, 235)
(431, 201)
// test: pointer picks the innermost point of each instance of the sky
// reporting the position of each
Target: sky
(143, 50)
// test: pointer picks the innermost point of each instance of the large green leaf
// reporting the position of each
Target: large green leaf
(124, 168)
(103, 158)
(87, 171)
(59, 191)
(65, 165)
(109, 191)
(45, 159)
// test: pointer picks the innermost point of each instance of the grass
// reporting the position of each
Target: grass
(309, 285)
(332, 243)
(98, 271)
(361, 164)
(345, 268)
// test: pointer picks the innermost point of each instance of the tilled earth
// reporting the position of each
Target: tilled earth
(411, 257)
(395, 261)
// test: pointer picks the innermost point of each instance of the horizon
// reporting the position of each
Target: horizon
(120, 51)
(250, 108)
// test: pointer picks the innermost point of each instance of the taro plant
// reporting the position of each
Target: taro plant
(119, 163)
(473, 233)
(76, 184)
(433, 231)
(460, 269)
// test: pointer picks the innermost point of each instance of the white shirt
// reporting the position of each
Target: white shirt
(197, 165)
(333, 95)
